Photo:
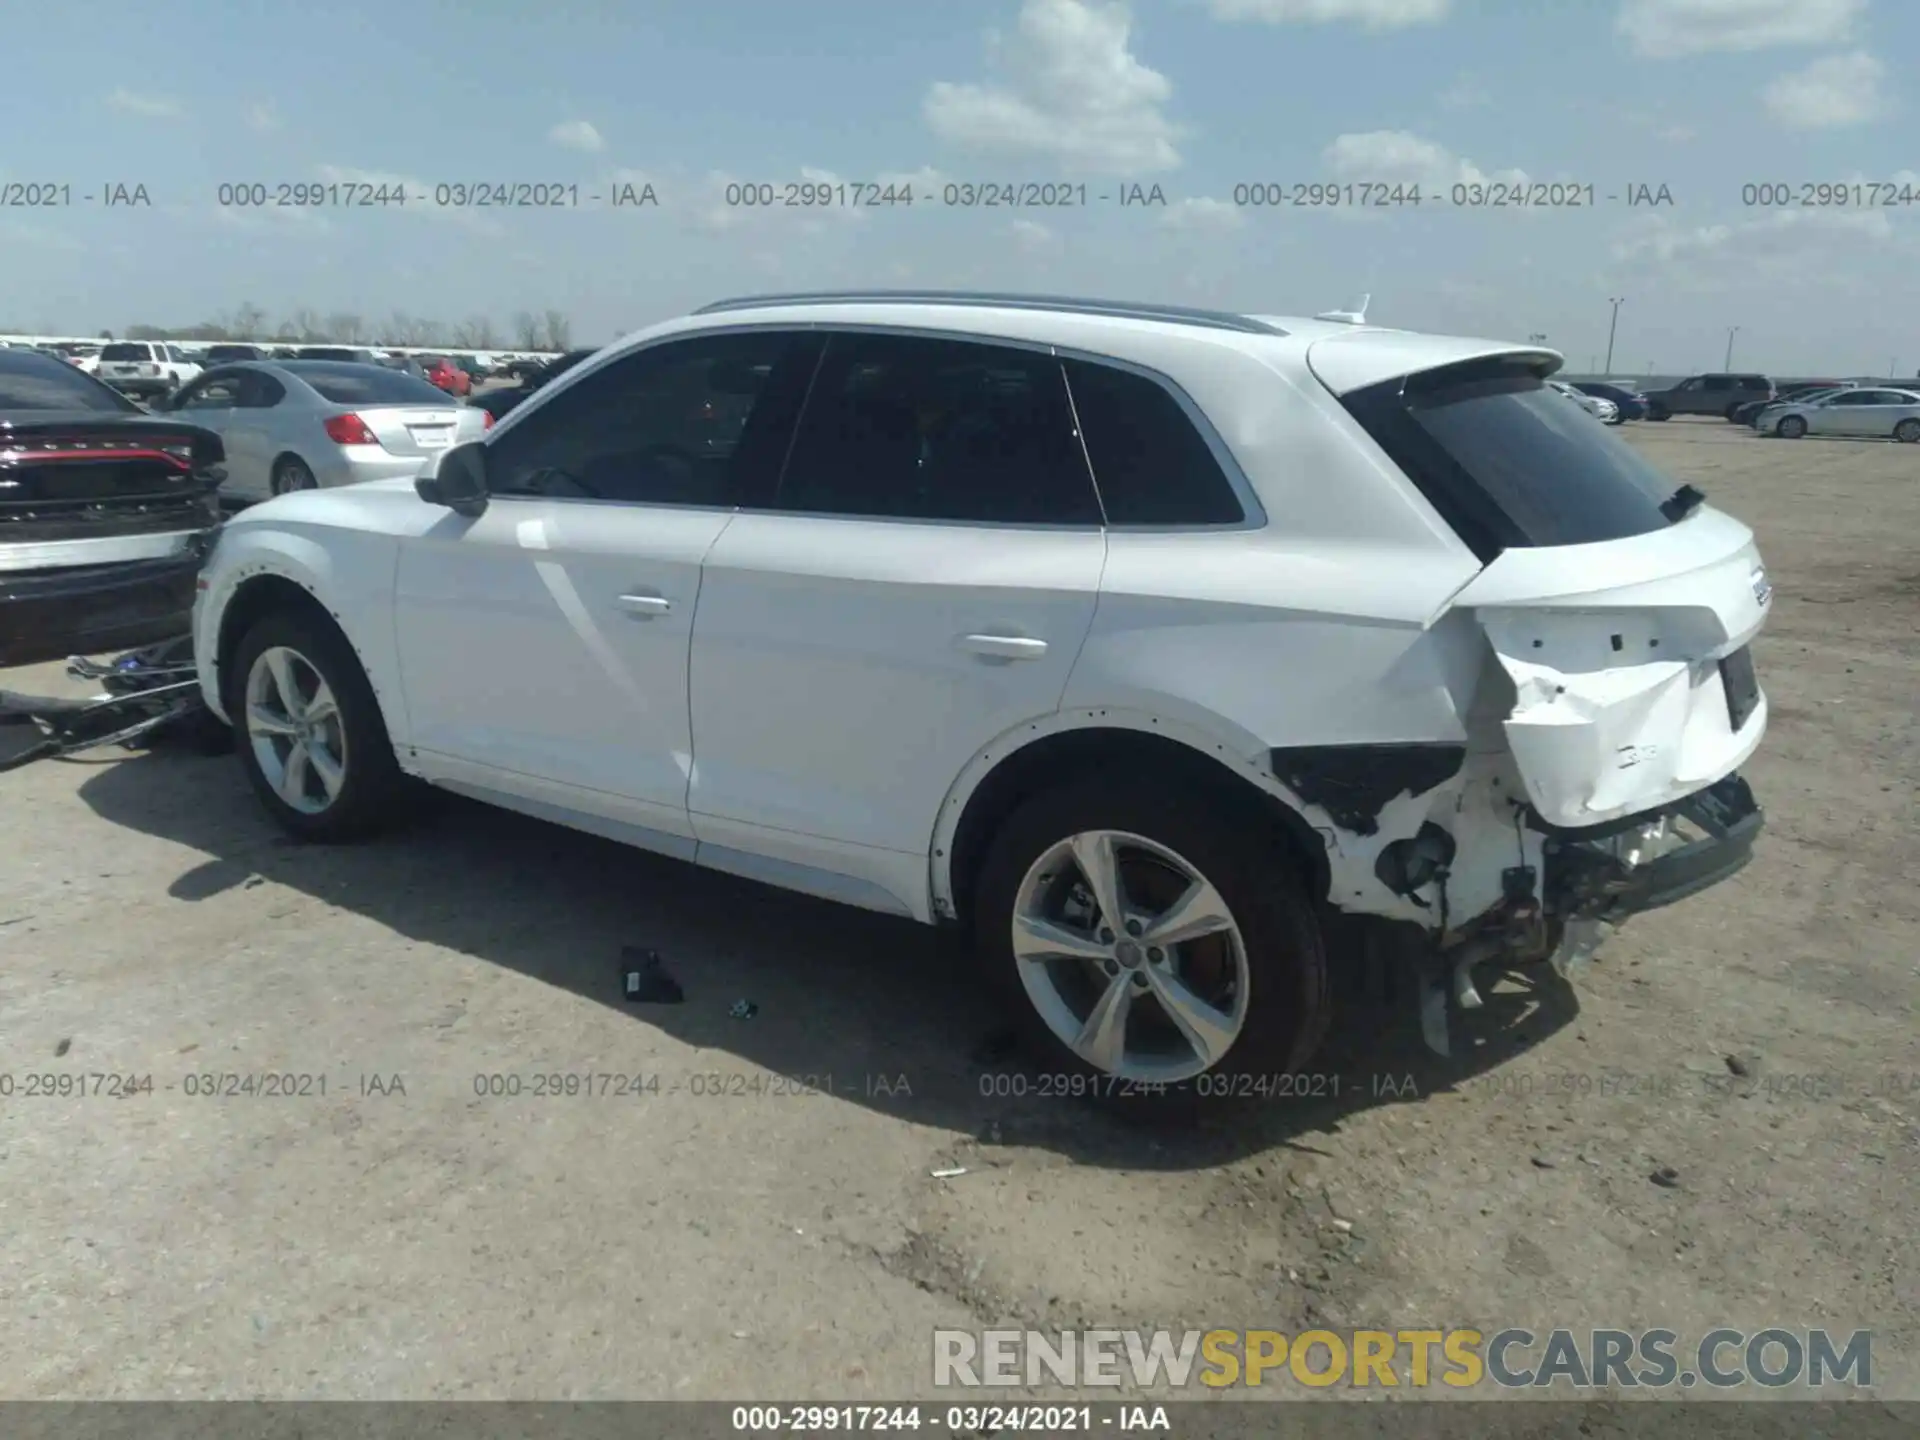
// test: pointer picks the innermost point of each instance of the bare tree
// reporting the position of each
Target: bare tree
(463, 334)
(287, 330)
(347, 329)
(106, 334)
(430, 332)
(559, 330)
(307, 324)
(249, 320)
(528, 330)
(146, 332)
(485, 337)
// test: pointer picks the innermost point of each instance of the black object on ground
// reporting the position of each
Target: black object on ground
(647, 980)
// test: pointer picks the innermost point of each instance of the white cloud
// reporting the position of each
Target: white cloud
(1664, 29)
(1775, 239)
(152, 107)
(577, 135)
(1834, 91)
(1373, 14)
(1033, 237)
(1069, 89)
(1202, 212)
(263, 118)
(1399, 157)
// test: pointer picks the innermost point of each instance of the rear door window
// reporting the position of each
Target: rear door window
(904, 428)
(1507, 462)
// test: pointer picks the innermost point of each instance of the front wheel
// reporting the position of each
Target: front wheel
(1657, 412)
(1791, 427)
(309, 730)
(1152, 949)
(1908, 432)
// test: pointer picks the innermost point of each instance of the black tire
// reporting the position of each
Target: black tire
(291, 473)
(1658, 412)
(1288, 992)
(373, 785)
(1790, 427)
(1907, 432)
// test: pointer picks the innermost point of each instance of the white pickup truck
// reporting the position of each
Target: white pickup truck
(146, 369)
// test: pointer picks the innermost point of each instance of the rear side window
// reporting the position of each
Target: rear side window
(902, 428)
(1508, 463)
(1755, 382)
(345, 384)
(39, 382)
(1151, 466)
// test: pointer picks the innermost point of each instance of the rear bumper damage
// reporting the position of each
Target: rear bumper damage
(49, 614)
(1594, 879)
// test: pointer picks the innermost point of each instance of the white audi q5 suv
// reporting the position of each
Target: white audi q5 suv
(1162, 651)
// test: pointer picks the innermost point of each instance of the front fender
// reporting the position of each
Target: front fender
(350, 574)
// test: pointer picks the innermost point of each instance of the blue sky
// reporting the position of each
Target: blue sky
(1197, 96)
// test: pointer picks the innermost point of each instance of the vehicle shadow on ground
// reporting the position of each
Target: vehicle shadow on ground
(887, 1008)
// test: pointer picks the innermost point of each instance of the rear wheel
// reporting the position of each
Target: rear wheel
(1153, 951)
(1732, 413)
(1907, 431)
(290, 473)
(1657, 412)
(309, 730)
(1791, 427)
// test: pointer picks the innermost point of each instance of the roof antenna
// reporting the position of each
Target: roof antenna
(1356, 316)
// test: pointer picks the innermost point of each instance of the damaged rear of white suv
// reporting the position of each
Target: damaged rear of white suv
(1180, 658)
(1615, 698)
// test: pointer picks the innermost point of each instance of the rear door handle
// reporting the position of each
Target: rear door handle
(1004, 647)
(645, 607)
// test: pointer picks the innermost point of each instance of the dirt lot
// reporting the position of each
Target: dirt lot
(688, 1242)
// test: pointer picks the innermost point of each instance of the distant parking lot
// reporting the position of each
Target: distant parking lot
(401, 1133)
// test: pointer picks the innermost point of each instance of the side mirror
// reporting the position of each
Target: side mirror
(459, 481)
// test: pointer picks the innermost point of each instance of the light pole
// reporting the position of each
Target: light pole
(1612, 326)
(1732, 331)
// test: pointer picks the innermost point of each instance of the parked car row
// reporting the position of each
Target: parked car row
(150, 369)
(1855, 411)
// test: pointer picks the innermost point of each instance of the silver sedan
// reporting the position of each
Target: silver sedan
(1860, 413)
(302, 424)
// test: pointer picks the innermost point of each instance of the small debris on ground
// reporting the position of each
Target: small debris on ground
(743, 1010)
(647, 980)
(1666, 1177)
(1540, 1162)
(64, 1046)
(1739, 1066)
(950, 1173)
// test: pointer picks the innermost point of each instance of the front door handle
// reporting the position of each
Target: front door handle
(645, 607)
(1004, 647)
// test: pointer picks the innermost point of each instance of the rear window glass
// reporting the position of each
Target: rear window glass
(232, 352)
(1150, 465)
(39, 382)
(1508, 463)
(126, 352)
(345, 384)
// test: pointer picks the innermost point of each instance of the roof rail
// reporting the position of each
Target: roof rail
(1115, 309)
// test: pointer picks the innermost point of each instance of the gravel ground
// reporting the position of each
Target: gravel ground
(721, 1233)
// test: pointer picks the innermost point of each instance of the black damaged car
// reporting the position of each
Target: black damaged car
(105, 514)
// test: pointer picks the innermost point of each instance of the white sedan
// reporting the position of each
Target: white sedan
(1595, 405)
(1858, 413)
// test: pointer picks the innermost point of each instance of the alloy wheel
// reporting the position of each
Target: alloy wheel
(294, 726)
(1131, 957)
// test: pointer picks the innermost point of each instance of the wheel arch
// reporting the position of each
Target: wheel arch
(252, 573)
(1046, 752)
